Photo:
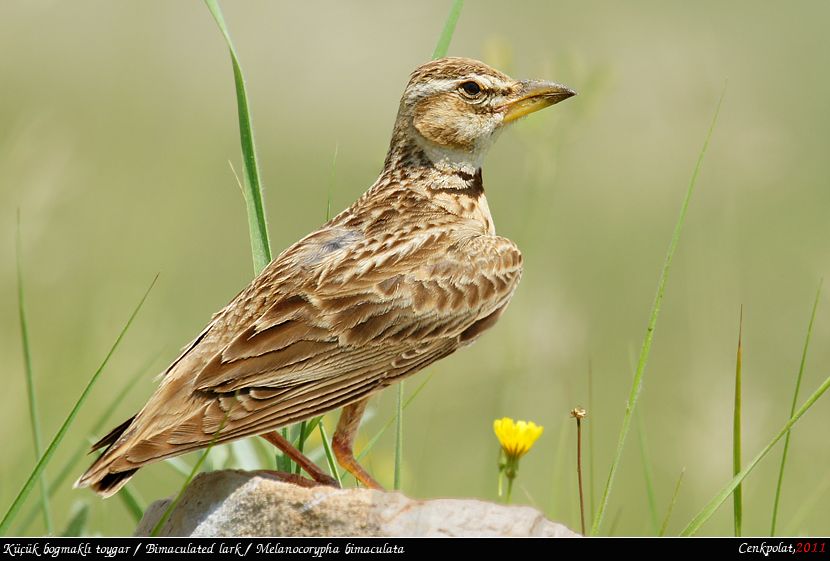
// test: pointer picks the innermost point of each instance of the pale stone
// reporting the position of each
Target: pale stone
(237, 503)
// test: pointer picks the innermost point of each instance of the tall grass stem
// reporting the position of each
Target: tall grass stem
(330, 455)
(68, 466)
(712, 506)
(737, 497)
(449, 28)
(196, 467)
(257, 223)
(67, 423)
(648, 474)
(673, 502)
(30, 384)
(780, 483)
(637, 383)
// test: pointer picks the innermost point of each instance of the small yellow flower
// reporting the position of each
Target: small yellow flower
(516, 438)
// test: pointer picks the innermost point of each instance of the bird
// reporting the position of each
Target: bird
(405, 276)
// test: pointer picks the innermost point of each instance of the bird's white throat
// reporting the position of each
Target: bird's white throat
(450, 159)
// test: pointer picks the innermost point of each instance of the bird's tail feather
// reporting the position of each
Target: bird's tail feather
(97, 476)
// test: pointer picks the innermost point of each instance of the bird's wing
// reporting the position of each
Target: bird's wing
(350, 328)
(331, 326)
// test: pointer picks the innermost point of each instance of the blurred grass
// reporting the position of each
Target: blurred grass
(637, 382)
(31, 395)
(665, 525)
(252, 186)
(252, 191)
(44, 460)
(117, 158)
(799, 377)
(171, 506)
(134, 506)
(72, 465)
(737, 497)
(708, 511)
(648, 474)
(445, 38)
(330, 460)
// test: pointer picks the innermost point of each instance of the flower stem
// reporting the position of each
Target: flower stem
(579, 472)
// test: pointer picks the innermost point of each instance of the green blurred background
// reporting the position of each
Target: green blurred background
(117, 121)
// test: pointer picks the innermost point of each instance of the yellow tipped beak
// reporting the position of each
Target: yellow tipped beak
(535, 96)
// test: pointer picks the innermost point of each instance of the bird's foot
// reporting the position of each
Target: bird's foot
(299, 480)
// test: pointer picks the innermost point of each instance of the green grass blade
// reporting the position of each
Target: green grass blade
(53, 446)
(647, 473)
(77, 524)
(100, 423)
(257, 223)
(30, 385)
(300, 434)
(161, 521)
(311, 426)
(304, 430)
(330, 455)
(297, 438)
(724, 493)
(265, 453)
(196, 467)
(798, 378)
(80, 451)
(652, 324)
(284, 463)
(132, 503)
(399, 438)
(665, 524)
(737, 497)
(449, 28)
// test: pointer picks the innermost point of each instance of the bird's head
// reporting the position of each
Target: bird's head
(453, 109)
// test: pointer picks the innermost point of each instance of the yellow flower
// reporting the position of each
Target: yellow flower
(516, 438)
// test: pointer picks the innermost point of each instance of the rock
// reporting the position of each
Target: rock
(238, 503)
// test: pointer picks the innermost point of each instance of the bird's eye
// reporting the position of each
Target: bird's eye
(471, 89)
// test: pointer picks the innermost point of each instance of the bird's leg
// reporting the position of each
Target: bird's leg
(301, 460)
(343, 441)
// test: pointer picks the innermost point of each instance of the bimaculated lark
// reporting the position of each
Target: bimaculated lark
(409, 273)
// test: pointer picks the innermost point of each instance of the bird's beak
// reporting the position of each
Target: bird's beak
(532, 96)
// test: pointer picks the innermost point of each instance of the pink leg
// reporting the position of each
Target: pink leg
(343, 443)
(308, 466)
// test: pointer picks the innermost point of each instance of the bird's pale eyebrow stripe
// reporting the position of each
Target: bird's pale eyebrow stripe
(431, 87)
(437, 85)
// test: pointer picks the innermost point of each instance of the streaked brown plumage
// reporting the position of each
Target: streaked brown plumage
(409, 273)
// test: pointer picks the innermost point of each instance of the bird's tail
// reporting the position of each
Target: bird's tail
(98, 476)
